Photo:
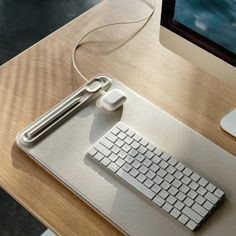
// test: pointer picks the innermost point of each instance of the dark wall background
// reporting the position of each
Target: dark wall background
(24, 22)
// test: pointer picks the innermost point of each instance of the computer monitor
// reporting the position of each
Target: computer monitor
(203, 32)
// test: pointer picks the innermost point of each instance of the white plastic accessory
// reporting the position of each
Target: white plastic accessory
(113, 99)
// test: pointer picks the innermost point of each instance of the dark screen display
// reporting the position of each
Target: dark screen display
(213, 19)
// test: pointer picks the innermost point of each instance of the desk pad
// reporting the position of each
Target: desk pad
(63, 154)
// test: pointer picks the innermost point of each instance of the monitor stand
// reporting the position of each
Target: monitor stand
(228, 123)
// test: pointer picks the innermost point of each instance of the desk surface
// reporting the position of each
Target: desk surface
(40, 77)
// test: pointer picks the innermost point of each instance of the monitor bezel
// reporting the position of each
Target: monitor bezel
(167, 20)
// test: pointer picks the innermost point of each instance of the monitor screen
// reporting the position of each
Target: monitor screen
(211, 24)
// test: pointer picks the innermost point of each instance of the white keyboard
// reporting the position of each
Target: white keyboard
(175, 188)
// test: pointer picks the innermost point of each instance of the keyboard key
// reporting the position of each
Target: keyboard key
(150, 174)
(129, 159)
(115, 131)
(119, 143)
(184, 188)
(186, 180)
(199, 209)
(148, 183)
(176, 183)
(219, 193)
(203, 182)
(156, 159)
(121, 135)
(147, 162)
(120, 162)
(180, 166)
(127, 167)
(201, 191)
(105, 161)
(142, 149)
(165, 156)
(130, 132)
(211, 197)
(158, 152)
(122, 127)
(137, 137)
(173, 190)
(149, 154)
(208, 205)
(135, 144)
(187, 171)
(141, 178)
(192, 194)
(172, 161)
(111, 137)
(140, 157)
(143, 169)
(200, 200)
(191, 225)
(179, 205)
(192, 214)
(106, 152)
(165, 185)
(181, 196)
(156, 188)
(108, 144)
(193, 185)
(154, 167)
(158, 180)
(195, 177)
(99, 156)
(188, 201)
(126, 147)
(159, 201)
(151, 147)
(92, 152)
(134, 172)
(175, 213)
(183, 219)
(113, 157)
(163, 164)
(113, 167)
(133, 152)
(161, 172)
(167, 207)
(136, 164)
(122, 154)
(210, 187)
(136, 184)
(169, 178)
(143, 142)
(163, 194)
(171, 199)
(128, 140)
(115, 149)
(178, 174)
(171, 169)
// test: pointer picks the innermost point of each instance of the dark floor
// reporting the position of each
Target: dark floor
(23, 23)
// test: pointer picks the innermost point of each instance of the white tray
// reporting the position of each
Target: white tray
(62, 152)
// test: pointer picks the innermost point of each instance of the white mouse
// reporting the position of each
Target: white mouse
(113, 99)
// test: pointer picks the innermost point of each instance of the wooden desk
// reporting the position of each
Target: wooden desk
(40, 77)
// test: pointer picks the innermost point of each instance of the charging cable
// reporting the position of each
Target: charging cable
(80, 42)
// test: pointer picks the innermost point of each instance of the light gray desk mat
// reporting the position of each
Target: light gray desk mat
(63, 154)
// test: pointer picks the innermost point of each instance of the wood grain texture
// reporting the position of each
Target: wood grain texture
(40, 77)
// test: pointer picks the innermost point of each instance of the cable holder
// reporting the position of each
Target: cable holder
(63, 110)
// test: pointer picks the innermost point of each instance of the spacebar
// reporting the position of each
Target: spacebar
(136, 184)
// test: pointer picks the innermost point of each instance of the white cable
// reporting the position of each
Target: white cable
(79, 43)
